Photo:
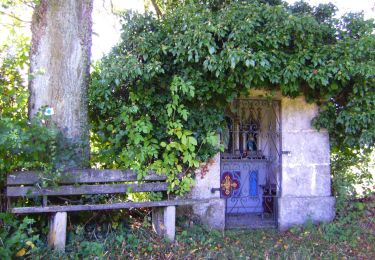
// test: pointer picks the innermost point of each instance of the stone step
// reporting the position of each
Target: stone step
(249, 221)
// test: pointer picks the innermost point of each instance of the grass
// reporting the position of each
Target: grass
(198, 242)
(350, 236)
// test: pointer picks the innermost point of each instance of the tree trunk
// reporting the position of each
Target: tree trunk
(59, 66)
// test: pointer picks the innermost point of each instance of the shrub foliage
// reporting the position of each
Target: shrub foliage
(157, 100)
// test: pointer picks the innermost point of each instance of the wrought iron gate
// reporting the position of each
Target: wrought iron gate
(251, 162)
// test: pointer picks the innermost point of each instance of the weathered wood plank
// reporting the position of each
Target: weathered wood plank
(81, 176)
(114, 206)
(85, 189)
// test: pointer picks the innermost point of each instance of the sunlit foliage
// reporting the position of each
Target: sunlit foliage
(170, 78)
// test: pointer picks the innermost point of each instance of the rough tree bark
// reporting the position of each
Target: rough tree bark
(59, 66)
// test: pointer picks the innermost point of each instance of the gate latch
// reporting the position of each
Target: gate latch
(288, 153)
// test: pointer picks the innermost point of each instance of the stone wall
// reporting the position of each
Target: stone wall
(305, 175)
(211, 214)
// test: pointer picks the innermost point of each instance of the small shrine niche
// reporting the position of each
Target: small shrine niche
(241, 136)
(250, 163)
(274, 169)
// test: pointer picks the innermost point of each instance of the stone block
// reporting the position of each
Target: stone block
(296, 114)
(212, 214)
(306, 181)
(298, 210)
(306, 148)
(210, 179)
(164, 221)
(170, 222)
(57, 230)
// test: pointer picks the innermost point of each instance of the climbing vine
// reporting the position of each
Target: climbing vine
(157, 100)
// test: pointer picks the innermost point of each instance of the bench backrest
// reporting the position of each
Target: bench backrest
(84, 182)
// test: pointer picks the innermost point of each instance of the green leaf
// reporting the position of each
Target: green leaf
(212, 50)
(184, 140)
(192, 140)
(249, 63)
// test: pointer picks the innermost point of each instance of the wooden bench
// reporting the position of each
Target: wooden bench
(90, 182)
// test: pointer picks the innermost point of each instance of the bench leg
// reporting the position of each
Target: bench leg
(164, 221)
(57, 230)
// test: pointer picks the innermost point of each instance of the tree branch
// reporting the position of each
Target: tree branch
(12, 25)
(156, 7)
(14, 17)
(30, 4)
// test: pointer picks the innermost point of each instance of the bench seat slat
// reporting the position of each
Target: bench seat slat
(81, 176)
(124, 205)
(85, 189)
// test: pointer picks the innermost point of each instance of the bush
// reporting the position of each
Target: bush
(353, 177)
(158, 99)
(17, 236)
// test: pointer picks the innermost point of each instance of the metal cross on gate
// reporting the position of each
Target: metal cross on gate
(228, 185)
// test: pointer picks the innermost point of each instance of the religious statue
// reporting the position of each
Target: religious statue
(251, 143)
